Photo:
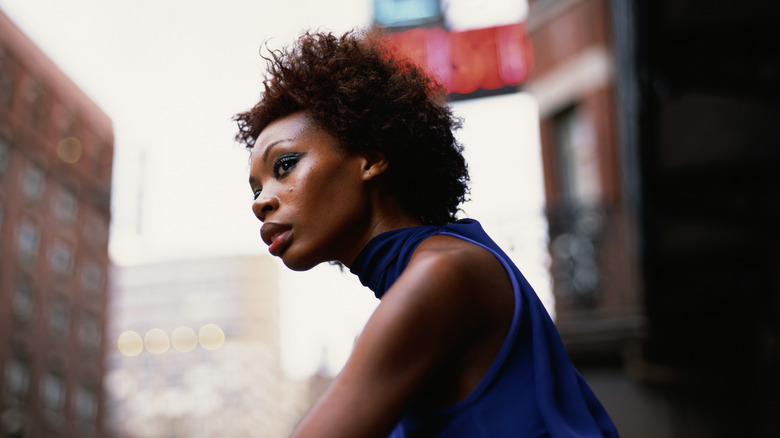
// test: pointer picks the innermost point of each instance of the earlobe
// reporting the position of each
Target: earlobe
(375, 164)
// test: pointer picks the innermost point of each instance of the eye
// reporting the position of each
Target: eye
(256, 193)
(285, 164)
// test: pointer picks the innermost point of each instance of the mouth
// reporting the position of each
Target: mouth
(275, 236)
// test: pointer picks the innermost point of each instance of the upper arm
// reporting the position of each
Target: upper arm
(424, 319)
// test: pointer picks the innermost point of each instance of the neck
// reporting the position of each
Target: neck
(385, 214)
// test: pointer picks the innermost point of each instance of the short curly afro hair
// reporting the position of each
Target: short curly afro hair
(373, 100)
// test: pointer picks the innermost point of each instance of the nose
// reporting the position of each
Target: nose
(264, 205)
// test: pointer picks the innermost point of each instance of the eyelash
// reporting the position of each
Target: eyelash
(287, 160)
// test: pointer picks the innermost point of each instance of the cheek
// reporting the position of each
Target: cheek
(327, 190)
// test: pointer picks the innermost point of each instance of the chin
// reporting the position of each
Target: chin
(297, 264)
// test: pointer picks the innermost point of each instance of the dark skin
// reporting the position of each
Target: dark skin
(437, 329)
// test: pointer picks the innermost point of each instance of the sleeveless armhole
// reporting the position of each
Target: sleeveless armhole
(508, 342)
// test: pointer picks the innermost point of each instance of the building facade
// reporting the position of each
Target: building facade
(591, 227)
(56, 151)
(658, 127)
(196, 351)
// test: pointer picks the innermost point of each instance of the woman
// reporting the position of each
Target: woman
(353, 160)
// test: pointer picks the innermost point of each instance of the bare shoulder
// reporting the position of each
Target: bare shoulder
(462, 266)
(468, 283)
(458, 300)
(455, 284)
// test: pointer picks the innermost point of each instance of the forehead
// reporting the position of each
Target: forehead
(288, 127)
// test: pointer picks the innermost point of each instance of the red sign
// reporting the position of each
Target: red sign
(466, 61)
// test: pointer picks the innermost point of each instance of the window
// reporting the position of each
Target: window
(23, 301)
(576, 220)
(36, 105)
(65, 206)
(89, 332)
(53, 393)
(27, 241)
(64, 123)
(17, 381)
(578, 165)
(61, 258)
(86, 405)
(33, 182)
(92, 277)
(59, 318)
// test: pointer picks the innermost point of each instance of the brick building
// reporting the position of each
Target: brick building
(56, 151)
(591, 228)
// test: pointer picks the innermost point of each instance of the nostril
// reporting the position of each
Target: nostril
(267, 209)
(259, 211)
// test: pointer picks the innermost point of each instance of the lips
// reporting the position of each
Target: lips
(275, 236)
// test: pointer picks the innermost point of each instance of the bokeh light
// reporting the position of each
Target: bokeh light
(69, 149)
(156, 341)
(184, 339)
(130, 343)
(211, 337)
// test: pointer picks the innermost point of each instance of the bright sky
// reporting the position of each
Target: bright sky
(171, 74)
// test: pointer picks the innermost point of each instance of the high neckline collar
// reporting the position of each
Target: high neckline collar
(384, 257)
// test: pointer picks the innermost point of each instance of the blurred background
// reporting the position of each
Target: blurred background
(623, 153)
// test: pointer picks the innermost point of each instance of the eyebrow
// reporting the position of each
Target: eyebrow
(267, 152)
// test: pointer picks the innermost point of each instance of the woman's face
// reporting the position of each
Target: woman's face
(310, 196)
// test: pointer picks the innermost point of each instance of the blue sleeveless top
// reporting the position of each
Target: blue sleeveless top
(530, 390)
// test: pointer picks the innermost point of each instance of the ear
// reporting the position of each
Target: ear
(375, 163)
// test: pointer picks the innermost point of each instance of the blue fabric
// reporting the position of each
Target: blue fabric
(530, 390)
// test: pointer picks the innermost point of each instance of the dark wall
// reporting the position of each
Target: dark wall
(708, 149)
